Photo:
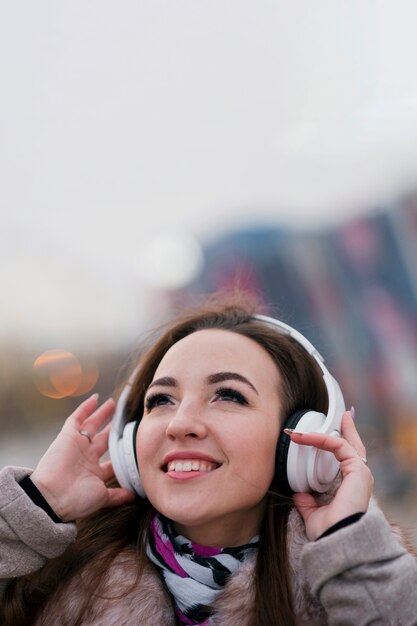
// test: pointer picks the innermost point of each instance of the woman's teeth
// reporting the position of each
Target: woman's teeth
(190, 466)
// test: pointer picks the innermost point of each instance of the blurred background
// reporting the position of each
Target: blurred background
(153, 151)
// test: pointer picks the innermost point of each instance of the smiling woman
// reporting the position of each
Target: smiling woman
(225, 429)
(229, 420)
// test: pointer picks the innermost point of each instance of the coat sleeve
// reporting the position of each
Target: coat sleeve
(363, 575)
(28, 537)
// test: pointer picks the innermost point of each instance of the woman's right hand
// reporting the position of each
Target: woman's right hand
(70, 475)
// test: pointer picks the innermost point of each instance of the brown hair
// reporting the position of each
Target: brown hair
(104, 535)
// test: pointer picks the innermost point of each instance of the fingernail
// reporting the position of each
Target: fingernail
(289, 431)
(95, 396)
(352, 412)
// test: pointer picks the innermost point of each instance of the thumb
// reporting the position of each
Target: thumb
(305, 504)
(118, 495)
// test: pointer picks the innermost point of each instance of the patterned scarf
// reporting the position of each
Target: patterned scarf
(194, 574)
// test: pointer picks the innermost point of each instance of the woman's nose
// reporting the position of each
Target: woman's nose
(187, 422)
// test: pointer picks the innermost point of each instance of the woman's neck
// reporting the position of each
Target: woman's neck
(227, 533)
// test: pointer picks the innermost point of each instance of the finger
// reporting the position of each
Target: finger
(338, 445)
(81, 413)
(94, 422)
(101, 440)
(107, 472)
(351, 435)
(305, 504)
(117, 496)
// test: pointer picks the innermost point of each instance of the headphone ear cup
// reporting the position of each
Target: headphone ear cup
(131, 469)
(308, 468)
(118, 461)
(283, 445)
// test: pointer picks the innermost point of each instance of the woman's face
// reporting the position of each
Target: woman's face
(206, 442)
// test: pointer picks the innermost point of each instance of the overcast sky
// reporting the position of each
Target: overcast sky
(126, 121)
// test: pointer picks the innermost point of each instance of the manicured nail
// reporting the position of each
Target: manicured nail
(289, 431)
(352, 412)
(95, 396)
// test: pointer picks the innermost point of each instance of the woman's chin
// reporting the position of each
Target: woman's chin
(186, 516)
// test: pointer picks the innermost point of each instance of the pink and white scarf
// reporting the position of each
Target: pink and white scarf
(194, 574)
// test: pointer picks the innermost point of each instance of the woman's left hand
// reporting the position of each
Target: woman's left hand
(355, 490)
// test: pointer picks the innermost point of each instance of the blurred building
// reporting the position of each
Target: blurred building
(352, 290)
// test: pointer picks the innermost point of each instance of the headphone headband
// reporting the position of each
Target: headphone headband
(336, 403)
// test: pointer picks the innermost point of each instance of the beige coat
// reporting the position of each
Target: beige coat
(359, 575)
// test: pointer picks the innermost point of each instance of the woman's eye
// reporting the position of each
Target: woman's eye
(230, 395)
(156, 399)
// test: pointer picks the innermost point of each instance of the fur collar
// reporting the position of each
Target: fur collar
(127, 602)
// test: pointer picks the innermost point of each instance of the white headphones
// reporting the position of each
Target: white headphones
(122, 445)
(300, 468)
(304, 468)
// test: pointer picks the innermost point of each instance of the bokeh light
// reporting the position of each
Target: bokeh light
(171, 260)
(89, 377)
(59, 374)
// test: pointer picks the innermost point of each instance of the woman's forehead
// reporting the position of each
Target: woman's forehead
(218, 348)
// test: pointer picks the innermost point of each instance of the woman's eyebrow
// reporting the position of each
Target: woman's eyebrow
(165, 381)
(220, 377)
